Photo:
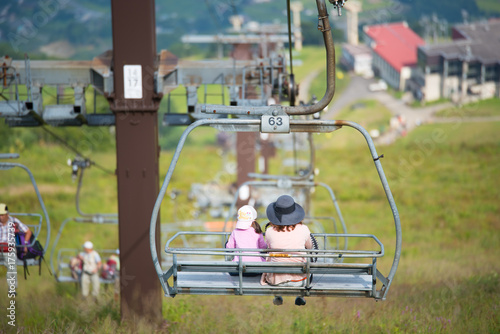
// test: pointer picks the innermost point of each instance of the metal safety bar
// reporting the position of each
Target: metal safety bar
(319, 253)
(209, 276)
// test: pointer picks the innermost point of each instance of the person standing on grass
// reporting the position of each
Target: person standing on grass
(90, 271)
(286, 231)
(247, 234)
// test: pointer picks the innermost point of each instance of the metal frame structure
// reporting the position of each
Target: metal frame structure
(79, 75)
(336, 279)
(209, 276)
(37, 228)
(257, 125)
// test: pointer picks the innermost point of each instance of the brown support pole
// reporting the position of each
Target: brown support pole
(135, 106)
(245, 141)
(245, 148)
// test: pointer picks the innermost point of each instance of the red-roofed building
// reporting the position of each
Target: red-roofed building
(394, 48)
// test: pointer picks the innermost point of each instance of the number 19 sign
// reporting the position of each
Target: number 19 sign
(277, 124)
(132, 80)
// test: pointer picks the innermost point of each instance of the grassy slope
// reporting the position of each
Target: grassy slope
(488, 5)
(490, 107)
(444, 178)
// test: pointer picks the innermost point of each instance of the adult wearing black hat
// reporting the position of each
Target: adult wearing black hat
(286, 231)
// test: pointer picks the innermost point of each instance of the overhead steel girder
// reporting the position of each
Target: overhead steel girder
(206, 72)
(55, 72)
(170, 74)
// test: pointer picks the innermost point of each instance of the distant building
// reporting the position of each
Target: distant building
(394, 48)
(357, 58)
(469, 66)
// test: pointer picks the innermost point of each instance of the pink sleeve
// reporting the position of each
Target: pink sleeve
(231, 242)
(309, 244)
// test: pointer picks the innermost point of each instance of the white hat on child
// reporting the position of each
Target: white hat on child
(246, 215)
(88, 245)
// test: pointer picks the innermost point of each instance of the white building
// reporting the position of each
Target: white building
(357, 58)
(469, 66)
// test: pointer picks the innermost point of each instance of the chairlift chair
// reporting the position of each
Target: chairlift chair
(64, 255)
(62, 274)
(192, 277)
(60, 266)
(360, 277)
(36, 228)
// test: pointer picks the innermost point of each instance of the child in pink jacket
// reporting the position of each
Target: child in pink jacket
(247, 234)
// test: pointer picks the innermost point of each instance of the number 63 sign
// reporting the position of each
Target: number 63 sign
(277, 124)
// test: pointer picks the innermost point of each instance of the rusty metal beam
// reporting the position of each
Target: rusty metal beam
(135, 107)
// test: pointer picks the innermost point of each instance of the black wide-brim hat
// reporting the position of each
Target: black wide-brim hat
(285, 211)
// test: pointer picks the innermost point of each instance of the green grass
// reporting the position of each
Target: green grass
(444, 178)
(490, 107)
(370, 114)
(318, 86)
(488, 5)
(313, 58)
(418, 104)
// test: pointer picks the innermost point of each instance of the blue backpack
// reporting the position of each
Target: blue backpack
(34, 252)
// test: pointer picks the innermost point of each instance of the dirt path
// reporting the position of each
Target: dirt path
(44, 189)
(358, 90)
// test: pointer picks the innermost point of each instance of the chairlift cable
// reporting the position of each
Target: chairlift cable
(74, 150)
(288, 12)
(233, 6)
(212, 14)
(291, 83)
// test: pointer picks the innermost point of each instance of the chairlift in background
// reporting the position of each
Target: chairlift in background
(61, 265)
(40, 224)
